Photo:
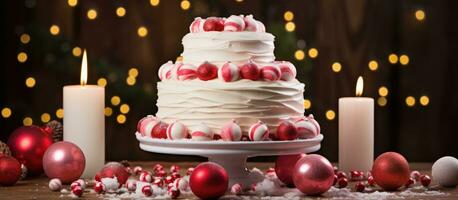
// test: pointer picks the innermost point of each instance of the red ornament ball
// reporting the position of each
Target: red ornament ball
(359, 187)
(207, 71)
(250, 71)
(160, 130)
(390, 171)
(147, 191)
(409, 182)
(283, 169)
(65, 161)
(213, 24)
(77, 191)
(286, 131)
(313, 174)
(28, 144)
(342, 182)
(209, 181)
(10, 170)
(115, 169)
(425, 180)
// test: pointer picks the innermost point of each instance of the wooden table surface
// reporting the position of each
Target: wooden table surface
(37, 188)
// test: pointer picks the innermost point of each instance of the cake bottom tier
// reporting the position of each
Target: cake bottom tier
(215, 103)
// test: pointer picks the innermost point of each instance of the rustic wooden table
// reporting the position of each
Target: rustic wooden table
(37, 188)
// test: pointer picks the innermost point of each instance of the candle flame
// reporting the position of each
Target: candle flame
(359, 86)
(84, 69)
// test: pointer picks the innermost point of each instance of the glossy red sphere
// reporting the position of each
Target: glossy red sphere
(209, 181)
(390, 171)
(284, 168)
(160, 130)
(115, 169)
(286, 131)
(313, 174)
(65, 161)
(10, 170)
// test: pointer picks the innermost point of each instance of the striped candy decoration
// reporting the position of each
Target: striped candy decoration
(181, 184)
(166, 70)
(229, 72)
(231, 131)
(258, 132)
(288, 71)
(197, 25)
(186, 72)
(145, 177)
(141, 123)
(250, 23)
(270, 72)
(306, 128)
(202, 133)
(177, 131)
(234, 23)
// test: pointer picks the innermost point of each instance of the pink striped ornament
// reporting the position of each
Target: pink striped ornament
(197, 25)
(166, 71)
(202, 133)
(250, 23)
(234, 23)
(181, 184)
(236, 189)
(145, 177)
(207, 71)
(231, 131)
(306, 128)
(186, 72)
(141, 123)
(177, 131)
(258, 132)
(229, 72)
(270, 72)
(288, 71)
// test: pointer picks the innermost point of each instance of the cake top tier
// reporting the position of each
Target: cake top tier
(234, 23)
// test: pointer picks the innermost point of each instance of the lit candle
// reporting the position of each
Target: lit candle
(84, 120)
(356, 131)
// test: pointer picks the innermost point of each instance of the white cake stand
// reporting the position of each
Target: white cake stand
(231, 155)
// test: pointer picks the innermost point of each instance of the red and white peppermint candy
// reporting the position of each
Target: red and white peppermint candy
(305, 128)
(173, 192)
(234, 23)
(99, 187)
(55, 184)
(82, 183)
(160, 173)
(176, 175)
(158, 181)
(145, 177)
(186, 72)
(250, 71)
(202, 133)
(154, 129)
(229, 72)
(177, 131)
(146, 125)
(261, 27)
(74, 184)
(288, 70)
(158, 167)
(147, 191)
(166, 71)
(131, 185)
(258, 132)
(181, 184)
(77, 191)
(250, 23)
(168, 180)
(189, 171)
(137, 170)
(236, 189)
(197, 25)
(207, 71)
(174, 168)
(231, 131)
(270, 72)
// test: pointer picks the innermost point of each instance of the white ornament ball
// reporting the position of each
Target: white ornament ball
(231, 131)
(229, 72)
(288, 70)
(55, 184)
(131, 185)
(166, 71)
(181, 184)
(186, 72)
(111, 184)
(145, 177)
(82, 183)
(177, 131)
(234, 23)
(202, 133)
(445, 171)
(258, 132)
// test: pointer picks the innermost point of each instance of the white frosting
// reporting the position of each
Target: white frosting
(215, 102)
(220, 47)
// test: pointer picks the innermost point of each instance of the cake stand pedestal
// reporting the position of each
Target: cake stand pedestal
(231, 155)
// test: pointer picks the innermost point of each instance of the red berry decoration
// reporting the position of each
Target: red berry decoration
(356, 175)
(209, 181)
(313, 174)
(425, 180)
(77, 191)
(10, 170)
(160, 173)
(214, 24)
(207, 71)
(168, 180)
(173, 192)
(415, 175)
(176, 175)
(146, 190)
(160, 130)
(283, 168)
(174, 168)
(158, 167)
(359, 187)
(370, 181)
(250, 71)
(99, 187)
(390, 171)
(74, 184)
(409, 182)
(115, 169)
(341, 174)
(158, 181)
(286, 131)
(335, 180)
(342, 182)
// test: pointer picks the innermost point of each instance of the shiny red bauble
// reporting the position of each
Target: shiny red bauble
(115, 169)
(283, 168)
(286, 131)
(207, 71)
(28, 144)
(250, 71)
(390, 171)
(160, 130)
(65, 161)
(213, 24)
(209, 181)
(313, 174)
(10, 170)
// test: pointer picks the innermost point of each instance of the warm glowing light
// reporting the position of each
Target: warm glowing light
(121, 119)
(154, 2)
(404, 59)
(76, 51)
(91, 14)
(45, 117)
(115, 100)
(299, 55)
(6, 112)
(72, 3)
(124, 108)
(382, 101)
(313, 53)
(27, 121)
(30, 82)
(60, 113)
(373, 65)
(120, 11)
(393, 58)
(102, 82)
(383, 91)
(330, 115)
(336, 67)
(288, 16)
(420, 15)
(185, 4)
(22, 57)
(108, 111)
(133, 72)
(424, 100)
(54, 30)
(359, 86)
(290, 26)
(307, 104)
(130, 80)
(25, 38)
(142, 31)
(84, 69)
(410, 101)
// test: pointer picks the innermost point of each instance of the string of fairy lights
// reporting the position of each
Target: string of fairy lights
(142, 31)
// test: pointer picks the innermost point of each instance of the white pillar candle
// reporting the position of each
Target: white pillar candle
(356, 131)
(84, 121)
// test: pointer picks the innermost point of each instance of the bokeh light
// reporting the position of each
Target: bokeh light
(133, 72)
(382, 101)
(54, 29)
(30, 82)
(76, 51)
(92, 14)
(393, 58)
(154, 2)
(22, 57)
(424, 100)
(60, 113)
(410, 101)
(25, 38)
(313, 52)
(336, 67)
(373, 65)
(45, 117)
(6, 112)
(115, 100)
(307, 104)
(27, 121)
(142, 31)
(420, 15)
(108, 111)
(124, 108)
(288, 16)
(131, 80)
(299, 55)
(404, 59)
(185, 5)
(121, 119)
(330, 115)
(72, 3)
(102, 82)
(383, 91)
(120, 11)
(290, 26)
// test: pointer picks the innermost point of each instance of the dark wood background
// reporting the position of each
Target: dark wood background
(352, 32)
